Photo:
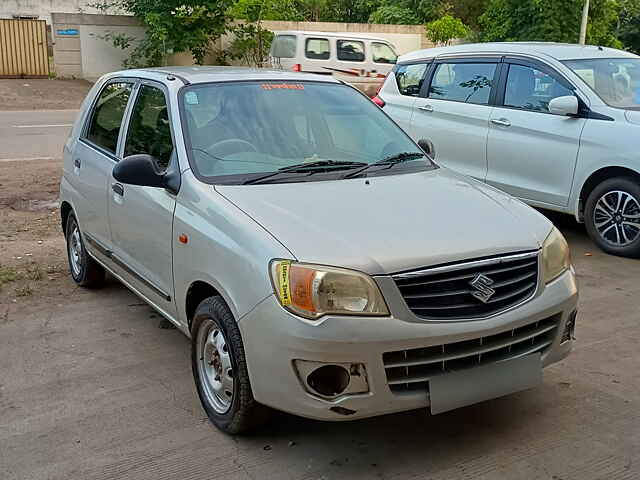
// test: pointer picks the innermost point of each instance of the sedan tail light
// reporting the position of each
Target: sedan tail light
(378, 101)
(297, 67)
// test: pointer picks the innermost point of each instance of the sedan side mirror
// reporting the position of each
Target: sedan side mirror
(139, 170)
(567, 105)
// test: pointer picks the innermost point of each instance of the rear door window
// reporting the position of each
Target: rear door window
(149, 130)
(382, 53)
(463, 82)
(410, 77)
(283, 46)
(350, 50)
(317, 49)
(106, 117)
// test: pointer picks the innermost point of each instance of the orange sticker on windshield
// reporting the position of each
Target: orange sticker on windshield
(282, 86)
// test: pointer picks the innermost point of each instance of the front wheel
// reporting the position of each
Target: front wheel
(612, 216)
(220, 370)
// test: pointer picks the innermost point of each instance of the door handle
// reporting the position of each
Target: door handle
(77, 163)
(501, 121)
(426, 108)
(118, 189)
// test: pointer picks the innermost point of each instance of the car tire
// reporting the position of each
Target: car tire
(85, 271)
(216, 348)
(611, 214)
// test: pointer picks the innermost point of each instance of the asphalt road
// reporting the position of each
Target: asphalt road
(92, 388)
(32, 135)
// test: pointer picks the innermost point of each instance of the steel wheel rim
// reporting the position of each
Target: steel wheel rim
(75, 250)
(214, 367)
(616, 218)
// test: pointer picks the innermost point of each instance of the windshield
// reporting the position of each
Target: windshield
(615, 80)
(236, 132)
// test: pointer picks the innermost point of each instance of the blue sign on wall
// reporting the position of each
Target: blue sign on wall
(67, 32)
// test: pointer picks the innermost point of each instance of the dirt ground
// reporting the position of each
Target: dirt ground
(42, 94)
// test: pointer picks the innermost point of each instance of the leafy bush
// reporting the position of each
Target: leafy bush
(445, 29)
(394, 15)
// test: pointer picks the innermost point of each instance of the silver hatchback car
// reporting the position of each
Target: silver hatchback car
(320, 262)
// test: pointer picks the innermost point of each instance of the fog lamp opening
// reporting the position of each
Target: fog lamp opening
(329, 380)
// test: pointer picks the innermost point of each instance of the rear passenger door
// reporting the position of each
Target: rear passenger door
(93, 159)
(453, 112)
(532, 153)
(141, 218)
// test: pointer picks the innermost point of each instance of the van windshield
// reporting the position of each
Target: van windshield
(615, 80)
(236, 132)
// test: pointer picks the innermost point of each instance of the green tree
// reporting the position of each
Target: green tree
(628, 28)
(549, 20)
(445, 29)
(171, 26)
(395, 15)
(253, 10)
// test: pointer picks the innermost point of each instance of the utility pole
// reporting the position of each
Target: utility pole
(583, 24)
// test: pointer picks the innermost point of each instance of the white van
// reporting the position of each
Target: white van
(338, 54)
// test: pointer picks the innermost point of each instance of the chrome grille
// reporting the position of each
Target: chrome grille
(409, 370)
(446, 292)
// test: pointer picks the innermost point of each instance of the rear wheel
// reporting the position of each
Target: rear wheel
(85, 271)
(612, 216)
(220, 370)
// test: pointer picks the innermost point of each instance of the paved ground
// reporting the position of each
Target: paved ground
(42, 94)
(92, 388)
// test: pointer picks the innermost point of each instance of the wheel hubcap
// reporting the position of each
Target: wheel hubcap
(75, 250)
(214, 365)
(617, 218)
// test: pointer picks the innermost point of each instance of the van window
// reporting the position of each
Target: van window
(410, 77)
(463, 82)
(383, 53)
(283, 46)
(317, 48)
(107, 114)
(531, 89)
(350, 50)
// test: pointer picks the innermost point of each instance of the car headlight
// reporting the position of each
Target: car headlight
(555, 256)
(315, 290)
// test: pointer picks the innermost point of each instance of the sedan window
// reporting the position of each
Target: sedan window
(238, 131)
(106, 118)
(532, 89)
(463, 82)
(149, 130)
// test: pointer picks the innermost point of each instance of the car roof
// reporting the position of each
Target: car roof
(558, 51)
(207, 74)
(359, 36)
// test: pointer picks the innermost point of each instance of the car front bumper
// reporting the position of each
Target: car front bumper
(274, 339)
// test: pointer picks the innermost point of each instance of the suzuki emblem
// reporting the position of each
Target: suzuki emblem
(482, 284)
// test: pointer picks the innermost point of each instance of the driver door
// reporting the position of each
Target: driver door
(141, 218)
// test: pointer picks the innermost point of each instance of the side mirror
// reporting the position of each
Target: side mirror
(567, 105)
(139, 170)
(427, 147)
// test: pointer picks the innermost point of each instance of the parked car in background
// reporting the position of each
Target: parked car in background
(321, 263)
(359, 59)
(555, 125)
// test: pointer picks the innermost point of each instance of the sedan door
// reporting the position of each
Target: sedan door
(141, 218)
(532, 153)
(454, 112)
(94, 156)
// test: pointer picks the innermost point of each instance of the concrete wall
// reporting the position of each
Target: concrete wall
(88, 56)
(42, 9)
(85, 55)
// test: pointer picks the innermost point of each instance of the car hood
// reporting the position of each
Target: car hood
(393, 223)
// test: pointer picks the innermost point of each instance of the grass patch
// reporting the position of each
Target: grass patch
(24, 291)
(7, 275)
(34, 272)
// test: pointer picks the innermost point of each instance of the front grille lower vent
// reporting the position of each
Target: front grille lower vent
(410, 370)
(447, 292)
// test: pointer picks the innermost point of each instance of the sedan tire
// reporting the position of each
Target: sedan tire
(612, 216)
(220, 370)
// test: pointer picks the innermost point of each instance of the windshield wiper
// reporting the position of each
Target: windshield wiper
(307, 167)
(390, 161)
